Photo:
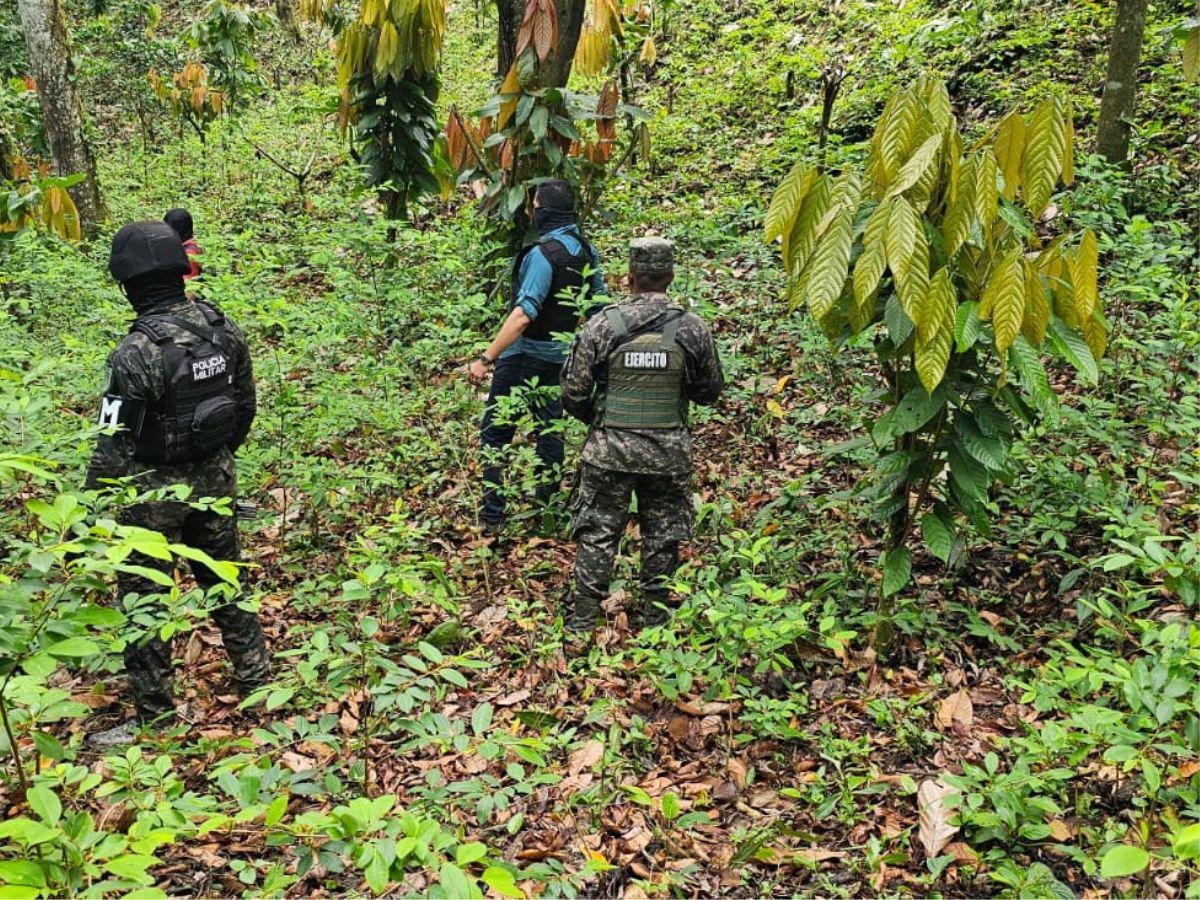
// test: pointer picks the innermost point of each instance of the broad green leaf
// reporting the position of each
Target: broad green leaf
(1123, 860)
(1186, 842)
(132, 867)
(1037, 307)
(45, 803)
(967, 326)
(481, 719)
(1027, 363)
(470, 853)
(76, 646)
(938, 534)
(987, 449)
(456, 884)
(1071, 346)
(502, 881)
(21, 872)
(969, 476)
(897, 569)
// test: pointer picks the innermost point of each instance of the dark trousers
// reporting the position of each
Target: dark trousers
(148, 661)
(602, 500)
(513, 372)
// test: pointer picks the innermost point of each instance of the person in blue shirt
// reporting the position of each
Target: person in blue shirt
(553, 281)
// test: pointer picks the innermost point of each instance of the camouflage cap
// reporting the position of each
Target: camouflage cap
(653, 256)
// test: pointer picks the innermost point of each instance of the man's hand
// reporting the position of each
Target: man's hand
(477, 371)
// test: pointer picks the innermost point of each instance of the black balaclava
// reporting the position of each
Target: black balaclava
(147, 292)
(181, 220)
(557, 206)
(149, 261)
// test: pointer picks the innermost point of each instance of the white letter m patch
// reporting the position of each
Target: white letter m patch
(110, 411)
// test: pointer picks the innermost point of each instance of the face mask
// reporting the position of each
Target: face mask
(541, 217)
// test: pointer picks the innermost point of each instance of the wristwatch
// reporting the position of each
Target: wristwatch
(483, 358)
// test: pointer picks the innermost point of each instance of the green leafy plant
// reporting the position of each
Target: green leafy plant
(927, 253)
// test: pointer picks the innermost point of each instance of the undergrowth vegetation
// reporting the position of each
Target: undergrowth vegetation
(1032, 728)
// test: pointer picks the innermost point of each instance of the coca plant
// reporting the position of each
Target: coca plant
(932, 254)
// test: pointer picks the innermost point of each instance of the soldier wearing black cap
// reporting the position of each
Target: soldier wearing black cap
(631, 375)
(179, 401)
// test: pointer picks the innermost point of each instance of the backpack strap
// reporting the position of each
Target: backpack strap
(671, 331)
(617, 323)
(216, 320)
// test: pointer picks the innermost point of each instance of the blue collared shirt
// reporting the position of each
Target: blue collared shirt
(534, 288)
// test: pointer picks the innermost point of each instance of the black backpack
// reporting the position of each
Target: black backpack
(198, 412)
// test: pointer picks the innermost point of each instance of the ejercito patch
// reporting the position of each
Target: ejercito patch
(641, 359)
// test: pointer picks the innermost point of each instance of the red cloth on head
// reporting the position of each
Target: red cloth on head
(193, 250)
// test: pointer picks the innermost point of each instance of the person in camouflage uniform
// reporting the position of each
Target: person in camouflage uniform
(181, 389)
(630, 376)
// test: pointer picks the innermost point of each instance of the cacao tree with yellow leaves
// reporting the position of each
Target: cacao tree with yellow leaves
(528, 132)
(932, 252)
(388, 57)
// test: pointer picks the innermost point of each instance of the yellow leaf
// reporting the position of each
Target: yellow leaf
(1191, 55)
(1005, 300)
(781, 384)
(1037, 307)
(1010, 144)
(785, 204)
(956, 226)
(1095, 334)
(826, 273)
(903, 231)
(511, 88)
(1084, 271)
(893, 139)
(649, 53)
(937, 307)
(913, 283)
(776, 410)
(916, 166)
(871, 263)
(1068, 166)
(798, 243)
(1042, 163)
(987, 195)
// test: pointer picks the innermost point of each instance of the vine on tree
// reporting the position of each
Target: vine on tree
(928, 253)
(388, 59)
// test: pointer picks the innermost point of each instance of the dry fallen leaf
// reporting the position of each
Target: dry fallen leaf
(514, 698)
(956, 708)
(585, 757)
(738, 771)
(935, 828)
(962, 853)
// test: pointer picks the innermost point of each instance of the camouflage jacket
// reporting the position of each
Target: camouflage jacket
(646, 451)
(136, 372)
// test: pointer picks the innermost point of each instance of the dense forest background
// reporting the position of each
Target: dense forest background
(1020, 716)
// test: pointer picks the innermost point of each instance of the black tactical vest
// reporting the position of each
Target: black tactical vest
(556, 316)
(198, 412)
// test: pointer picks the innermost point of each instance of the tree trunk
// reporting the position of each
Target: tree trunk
(50, 61)
(555, 71)
(1120, 85)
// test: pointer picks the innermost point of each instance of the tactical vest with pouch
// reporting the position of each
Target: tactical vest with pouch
(644, 385)
(198, 412)
(556, 316)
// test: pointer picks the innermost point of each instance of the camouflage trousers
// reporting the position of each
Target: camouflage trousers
(664, 512)
(148, 662)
